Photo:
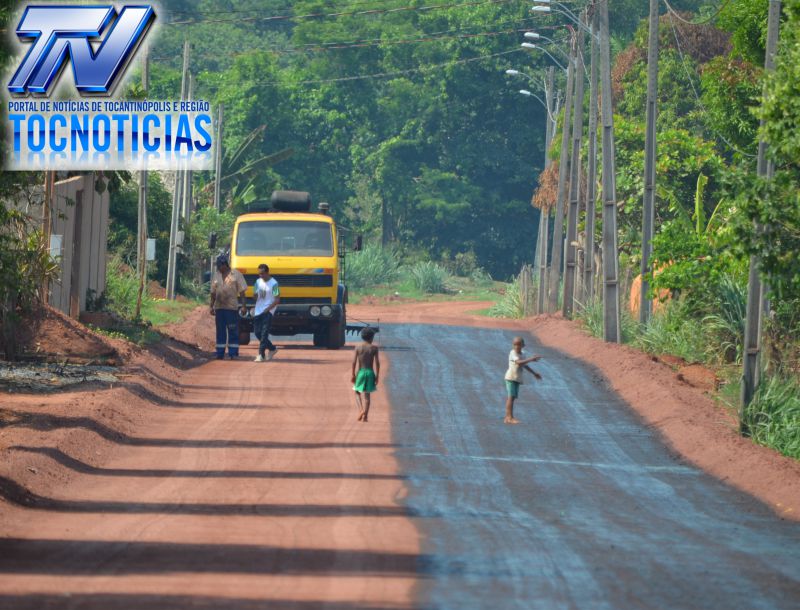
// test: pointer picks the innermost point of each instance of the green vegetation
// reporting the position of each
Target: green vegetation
(373, 266)
(510, 303)
(428, 277)
(121, 294)
(773, 417)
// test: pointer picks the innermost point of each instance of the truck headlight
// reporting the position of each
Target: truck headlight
(326, 310)
(314, 311)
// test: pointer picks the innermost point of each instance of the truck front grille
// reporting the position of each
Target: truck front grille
(305, 280)
(305, 301)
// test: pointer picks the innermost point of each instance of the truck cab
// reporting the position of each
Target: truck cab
(304, 255)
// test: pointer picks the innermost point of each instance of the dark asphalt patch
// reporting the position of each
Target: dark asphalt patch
(580, 506)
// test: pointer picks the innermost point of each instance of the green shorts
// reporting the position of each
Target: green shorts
(512, 387)
(365, 381)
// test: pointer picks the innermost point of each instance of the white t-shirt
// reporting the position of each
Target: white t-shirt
(266, 295)
(513, 372)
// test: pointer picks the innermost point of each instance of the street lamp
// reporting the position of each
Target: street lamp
(543, 85)
(545, 6)
(529, 45)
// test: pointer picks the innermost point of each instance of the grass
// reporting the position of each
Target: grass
(429, 278)
(672, 331)
(510, 304)
(374, 265)
(773, 418)
(591, 316)
(160, 312)
(459, 289)
(121, 294)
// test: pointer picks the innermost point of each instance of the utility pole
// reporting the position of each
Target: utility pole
(544, 216)
(563, 171)
(176, 197)
(611, 326)
(591, 170)
(141, 233)
(186, 206)
(218, 161)
(649, 202)
(755, 289)
(47, 222)
(567, 303)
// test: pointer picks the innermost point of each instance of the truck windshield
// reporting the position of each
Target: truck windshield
(284, 238)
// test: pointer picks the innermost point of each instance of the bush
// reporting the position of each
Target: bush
(728, 321)
(673, 331)
(372, 266)
(122, 288)
(510, 304)
(429, 277)
(773, 417)
(481, 278)
(26, 264)
(591, 316)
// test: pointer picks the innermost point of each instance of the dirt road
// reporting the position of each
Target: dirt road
(255, 487)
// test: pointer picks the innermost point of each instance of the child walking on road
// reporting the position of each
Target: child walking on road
(366, 380)
(516, 361)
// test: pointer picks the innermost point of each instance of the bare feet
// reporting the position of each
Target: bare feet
(362, 416)
(510, 420)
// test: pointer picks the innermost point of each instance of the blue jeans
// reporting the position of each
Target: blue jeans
(227, 332)
(261, 324)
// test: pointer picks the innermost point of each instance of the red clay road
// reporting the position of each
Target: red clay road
(259, 489)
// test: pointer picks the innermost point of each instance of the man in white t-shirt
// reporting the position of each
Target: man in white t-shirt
(268, 297)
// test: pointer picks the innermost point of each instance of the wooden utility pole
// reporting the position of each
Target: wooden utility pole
(141, 233)
(176, 197)
(218, 161)
(563, 172)
(649, 202)
(755, 291)
(591, 170)
(544, 216)
(571, 250)
(611, 325)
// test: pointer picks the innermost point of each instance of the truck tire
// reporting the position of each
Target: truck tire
(321, 339)
(337, 331)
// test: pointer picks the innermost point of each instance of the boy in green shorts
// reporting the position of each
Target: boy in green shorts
(366, 380)
(516, 361)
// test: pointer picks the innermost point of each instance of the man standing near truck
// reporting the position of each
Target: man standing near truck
(227, 288)
(268, 297)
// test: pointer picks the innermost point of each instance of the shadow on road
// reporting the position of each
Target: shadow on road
(78, 466)
(46, 422)
(130, 601)
(21, 496)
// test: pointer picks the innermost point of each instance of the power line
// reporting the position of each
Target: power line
(389, 74)
(377, 11)
(674, 13)
(332, 46)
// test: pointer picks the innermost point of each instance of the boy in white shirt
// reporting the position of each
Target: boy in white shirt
(516, 361)
(268, 297)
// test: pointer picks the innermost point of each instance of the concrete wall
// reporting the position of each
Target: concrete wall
(80, 215)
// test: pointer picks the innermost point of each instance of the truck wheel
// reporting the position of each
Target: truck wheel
(336, 332)
(321, 339)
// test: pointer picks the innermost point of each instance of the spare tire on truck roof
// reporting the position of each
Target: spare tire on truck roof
(291, 201)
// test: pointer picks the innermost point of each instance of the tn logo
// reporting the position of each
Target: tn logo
(60, 31)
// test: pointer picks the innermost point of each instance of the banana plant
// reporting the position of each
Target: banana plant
(242, 176)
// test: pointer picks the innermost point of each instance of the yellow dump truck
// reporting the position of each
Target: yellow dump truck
(305, 255)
